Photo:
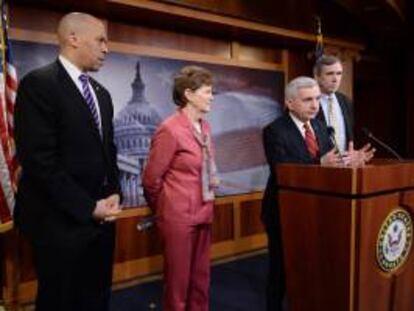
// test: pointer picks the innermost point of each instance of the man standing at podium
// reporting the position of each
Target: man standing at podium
(295, 137)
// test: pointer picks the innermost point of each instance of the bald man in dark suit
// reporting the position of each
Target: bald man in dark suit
(68, 196)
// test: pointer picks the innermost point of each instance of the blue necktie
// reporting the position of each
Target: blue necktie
(84, 79)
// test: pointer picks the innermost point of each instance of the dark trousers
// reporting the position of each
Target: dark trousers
(75, 276)
(275, 290)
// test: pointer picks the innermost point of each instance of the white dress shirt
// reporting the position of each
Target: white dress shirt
(300, 125)
(339, 116)
(74, 73)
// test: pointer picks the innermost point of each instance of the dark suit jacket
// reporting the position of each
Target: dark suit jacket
(347, 111)
(66, 165)
(283, 143)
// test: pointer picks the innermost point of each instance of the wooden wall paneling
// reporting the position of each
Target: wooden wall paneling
(250, 220)
(32, 36)
(235, 50)
(283, 13)
(44, 37)
(299, 64)
(231, 26)
(10, 268)
(204, 58)
(284, 19)
(233, 248)
(132, 244)
(285, 64)
(239, 243)
(138, 268)
(223, 226)
(25, 260)
(144, 36)
(26, 292)
(237, 220)
(252, 53)
(347, 84)
(34, 19)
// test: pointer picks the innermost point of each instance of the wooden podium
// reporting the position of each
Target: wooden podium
(335, 224)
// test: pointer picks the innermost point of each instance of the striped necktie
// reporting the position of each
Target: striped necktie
(87, 94)
(310, 141)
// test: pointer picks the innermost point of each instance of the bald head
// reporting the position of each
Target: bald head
(74, 24)
(83, 40)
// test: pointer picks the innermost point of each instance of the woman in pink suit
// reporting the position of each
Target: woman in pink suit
(179, 180)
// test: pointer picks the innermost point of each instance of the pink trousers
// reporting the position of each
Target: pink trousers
(186, 266)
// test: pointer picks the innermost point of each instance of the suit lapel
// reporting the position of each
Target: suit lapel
(345, 113)
(296, 139)
(71, 91)
(317, 131)
(321, 116)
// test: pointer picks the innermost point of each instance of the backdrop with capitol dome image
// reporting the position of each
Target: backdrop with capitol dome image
(245, 100)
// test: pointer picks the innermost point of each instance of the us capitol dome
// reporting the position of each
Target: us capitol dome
(133, 128)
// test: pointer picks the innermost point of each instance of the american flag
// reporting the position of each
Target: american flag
(8, 162)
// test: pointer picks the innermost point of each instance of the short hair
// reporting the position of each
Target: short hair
(293, 87)
(74, 22)
(190, 77)
(324, 60)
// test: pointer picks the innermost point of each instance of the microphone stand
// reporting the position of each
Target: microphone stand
(382, 144)
(331, 133)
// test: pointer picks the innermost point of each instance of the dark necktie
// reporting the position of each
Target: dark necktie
(84, 79)
(310, 141)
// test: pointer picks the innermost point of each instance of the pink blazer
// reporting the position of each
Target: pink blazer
(172, 176)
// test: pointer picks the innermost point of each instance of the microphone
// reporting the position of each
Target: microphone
(146, 223)
(331, 133)
(369, 134)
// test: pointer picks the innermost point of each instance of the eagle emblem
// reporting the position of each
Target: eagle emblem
(394, 240)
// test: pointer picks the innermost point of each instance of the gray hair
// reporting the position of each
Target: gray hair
(292, 88)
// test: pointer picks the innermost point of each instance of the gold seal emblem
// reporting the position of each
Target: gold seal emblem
(394, 240)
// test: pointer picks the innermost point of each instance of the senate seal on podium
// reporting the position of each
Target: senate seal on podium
(394, 240)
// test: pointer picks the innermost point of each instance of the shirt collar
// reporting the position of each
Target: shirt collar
(326, 96)
(299, 123)
(73, 71)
